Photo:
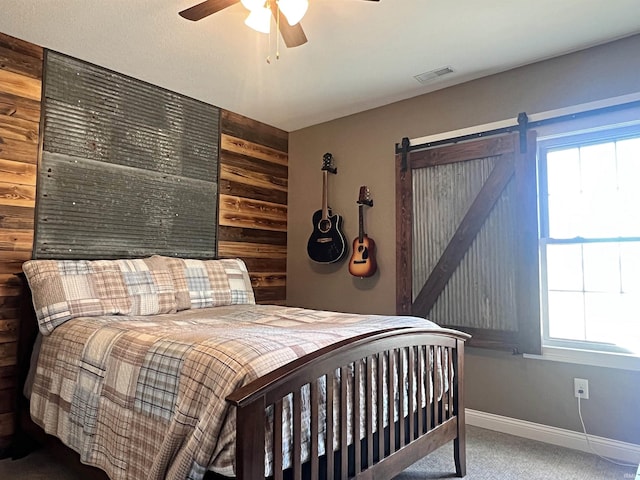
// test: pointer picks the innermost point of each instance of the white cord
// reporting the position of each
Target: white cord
(584, 429)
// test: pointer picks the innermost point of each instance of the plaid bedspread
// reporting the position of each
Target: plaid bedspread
(144, 397)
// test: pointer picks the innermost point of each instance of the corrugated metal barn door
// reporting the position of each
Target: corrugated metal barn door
(467, 240)
(127, 168)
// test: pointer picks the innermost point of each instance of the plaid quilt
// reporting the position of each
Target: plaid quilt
(144, 397)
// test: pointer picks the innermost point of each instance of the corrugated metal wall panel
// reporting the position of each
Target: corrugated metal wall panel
(91, 208)
(128, 168)
(481, 292)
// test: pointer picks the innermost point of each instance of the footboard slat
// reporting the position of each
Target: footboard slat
(419, 389)
(443, 402)
(343, 420)
(369, 407)
(277, 440)
(329, 419)
(380, 403)
(429, 386)
(391, 408)
(399, 375)
(450, 391)
(412, 383)
(314, 426)
(297, 435)
(355, 415)
(412, 406)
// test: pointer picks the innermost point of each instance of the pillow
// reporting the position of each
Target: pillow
(66, 289)
(209, 283)
(150, 288)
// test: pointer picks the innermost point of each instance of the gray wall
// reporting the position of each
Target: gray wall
(363, 148)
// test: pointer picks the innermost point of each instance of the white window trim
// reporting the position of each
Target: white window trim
(534, 117)
(559, 354)
(620, 361)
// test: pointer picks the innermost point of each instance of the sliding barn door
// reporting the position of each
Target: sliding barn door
(467, 240)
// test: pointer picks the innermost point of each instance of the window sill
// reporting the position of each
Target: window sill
(588, 357)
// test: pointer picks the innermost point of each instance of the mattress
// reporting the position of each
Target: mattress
(144, 396)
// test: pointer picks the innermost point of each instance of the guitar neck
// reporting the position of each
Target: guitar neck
(360, 224)
(325, 207)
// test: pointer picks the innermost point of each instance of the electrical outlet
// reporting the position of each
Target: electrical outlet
(581, 388)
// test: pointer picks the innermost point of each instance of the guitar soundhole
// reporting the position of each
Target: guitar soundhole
(324, 226)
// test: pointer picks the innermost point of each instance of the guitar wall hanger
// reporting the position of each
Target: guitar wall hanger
(327, 165)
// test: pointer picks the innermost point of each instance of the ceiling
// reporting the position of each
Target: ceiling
(360, 54)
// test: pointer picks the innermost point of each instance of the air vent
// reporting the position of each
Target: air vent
(433, 74)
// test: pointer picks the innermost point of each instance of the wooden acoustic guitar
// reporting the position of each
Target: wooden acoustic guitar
(363, 260)
(327, 243)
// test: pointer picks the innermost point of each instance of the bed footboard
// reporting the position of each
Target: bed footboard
(407, 385)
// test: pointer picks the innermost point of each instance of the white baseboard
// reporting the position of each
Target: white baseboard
(614, 449)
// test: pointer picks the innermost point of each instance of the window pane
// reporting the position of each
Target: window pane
(601, 267)
(599, 186)
(629, 212)
(600, 214)
(598, 168)
(602, 317)
(563, 186)
(566, 315)
(565, 215)
(563, 172)
(564, 267)
(628, 152)
(629, 334)
(630, 268)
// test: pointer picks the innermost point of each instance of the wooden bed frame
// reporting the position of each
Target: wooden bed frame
(403, 442)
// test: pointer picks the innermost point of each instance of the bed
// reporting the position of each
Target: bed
(165, 367)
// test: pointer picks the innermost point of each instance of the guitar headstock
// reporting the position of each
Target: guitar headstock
(365, 196)
(327, 163)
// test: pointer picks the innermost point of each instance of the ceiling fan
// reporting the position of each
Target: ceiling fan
(293, 35)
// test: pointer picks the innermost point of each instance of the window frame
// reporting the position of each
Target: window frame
(560, 349)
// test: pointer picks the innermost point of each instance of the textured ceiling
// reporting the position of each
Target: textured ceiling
(360, 55)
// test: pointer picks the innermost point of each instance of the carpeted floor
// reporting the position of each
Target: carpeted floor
(490, 456)
(497, 456)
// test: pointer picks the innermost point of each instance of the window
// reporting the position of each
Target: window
(589, 187)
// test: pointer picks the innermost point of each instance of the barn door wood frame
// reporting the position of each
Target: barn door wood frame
(502, 168)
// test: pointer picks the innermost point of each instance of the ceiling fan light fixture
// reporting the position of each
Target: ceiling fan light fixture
(293, 10)
(259, 19)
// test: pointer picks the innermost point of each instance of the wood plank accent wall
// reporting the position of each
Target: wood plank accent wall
(20, 91)
(253, 202)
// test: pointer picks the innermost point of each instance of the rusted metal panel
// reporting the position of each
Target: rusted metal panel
(97, 114)
(127, 169)
(91, 209)
(481, 292)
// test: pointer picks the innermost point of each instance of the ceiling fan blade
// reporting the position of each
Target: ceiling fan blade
(292, 36)
(206, 8)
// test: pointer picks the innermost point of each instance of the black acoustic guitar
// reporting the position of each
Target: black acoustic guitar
(327, 242)
(363, 259)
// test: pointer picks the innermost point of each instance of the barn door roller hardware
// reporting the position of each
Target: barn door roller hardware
(521, 127)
